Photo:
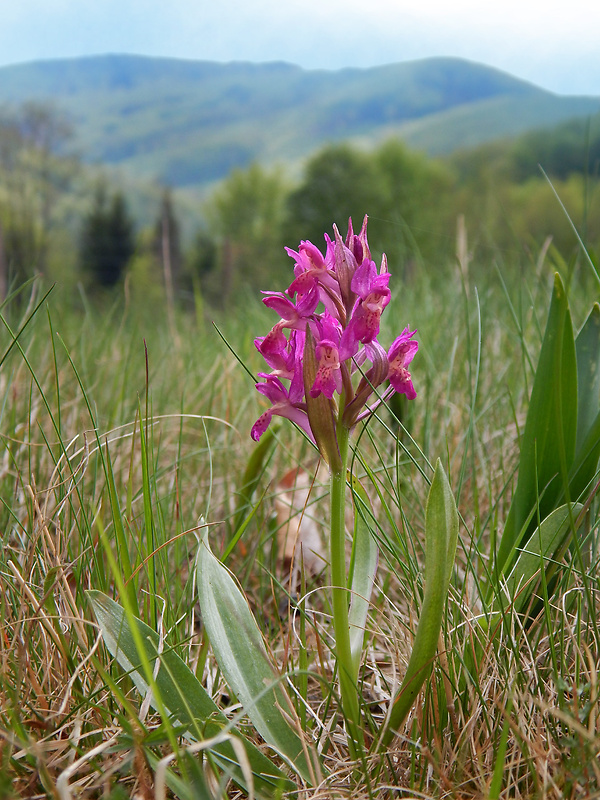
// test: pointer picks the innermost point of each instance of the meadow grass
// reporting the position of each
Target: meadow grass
(125, 438)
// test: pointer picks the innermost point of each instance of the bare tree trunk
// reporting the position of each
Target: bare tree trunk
(168, 275)
(167, 266)
(3, 268)
(227, 270)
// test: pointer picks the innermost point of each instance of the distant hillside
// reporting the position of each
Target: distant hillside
(187, 123)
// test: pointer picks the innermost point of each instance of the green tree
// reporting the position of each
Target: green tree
(404, 194)
(414, 215)
(339, 182)
(245, 216)
(570, 148)
(36, 173)
(203, 256)
(107, 239)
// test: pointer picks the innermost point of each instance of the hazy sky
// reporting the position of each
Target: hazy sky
(554, 44)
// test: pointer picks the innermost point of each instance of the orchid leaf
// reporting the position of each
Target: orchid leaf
(542, 547)
(588, 374)
(441, 537)
(240, 651)
(585, 465)
(364, 567)
(548, 441)
(587, 346)
(181, 692)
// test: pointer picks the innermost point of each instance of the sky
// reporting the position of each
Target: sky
(553, 44)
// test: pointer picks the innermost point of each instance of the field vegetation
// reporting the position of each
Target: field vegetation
(125, 420)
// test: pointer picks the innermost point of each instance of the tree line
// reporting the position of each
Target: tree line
(413, 203)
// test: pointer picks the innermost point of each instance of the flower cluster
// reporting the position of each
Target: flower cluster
(327, 334)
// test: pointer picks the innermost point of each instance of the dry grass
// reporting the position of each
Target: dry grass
(512, 709)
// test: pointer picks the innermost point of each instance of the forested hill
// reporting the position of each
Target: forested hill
(189, 122)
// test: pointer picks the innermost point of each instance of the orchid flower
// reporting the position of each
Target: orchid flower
(339, 297)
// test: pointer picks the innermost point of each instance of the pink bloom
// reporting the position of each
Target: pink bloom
(311, 268)
(279, 353)
(354, 294)
(358, 244)
(282, 406)
(364, 323)
(375, 376)
(293, 315)
(273, 349)
(328, 378)
(327, 327)
(365, 280)
(374, 295)
(400, 354)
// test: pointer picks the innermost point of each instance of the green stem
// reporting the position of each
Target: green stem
(340, 598)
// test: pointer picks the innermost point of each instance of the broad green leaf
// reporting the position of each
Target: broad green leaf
(241, 654)
(587, 347)
(542, 547)
(587, 453)
(364, 566)
(548, 442)
(585, 465)
(441, 537)
(181, 692)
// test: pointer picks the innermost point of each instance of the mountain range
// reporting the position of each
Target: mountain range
(188, 123)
